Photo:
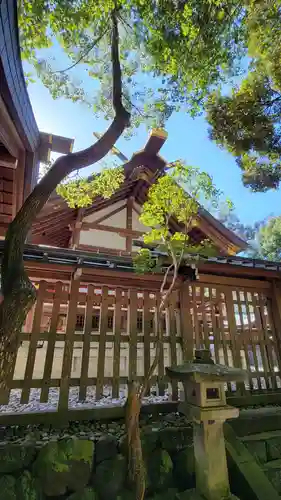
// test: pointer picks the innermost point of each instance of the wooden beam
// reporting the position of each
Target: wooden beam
(87, 226)
(210, 279)
(6, 159)
(52, 224)
(9, 136)
(276, 314)
(53, 216)
(156, 140)
(129, 217)
(55, 143)
(75, 237)
(230, 270)
(18, 184)
(102, 250)
(216, 237)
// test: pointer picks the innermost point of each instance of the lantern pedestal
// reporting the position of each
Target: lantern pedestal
(205, 405)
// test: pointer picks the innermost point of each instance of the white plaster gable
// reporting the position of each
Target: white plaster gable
(101, 213)
(136, 224)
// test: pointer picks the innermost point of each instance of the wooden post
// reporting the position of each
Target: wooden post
(35, 334)
(117, 343)
(276, 317)
(47, 375)
(74, 242)
(173, 340)
(68, 345)
(102, 342)
(86, 342)
(186, 323)
(133, 335)
(129, 217)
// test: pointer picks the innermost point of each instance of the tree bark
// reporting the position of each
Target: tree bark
(19, 294)
(136, 466)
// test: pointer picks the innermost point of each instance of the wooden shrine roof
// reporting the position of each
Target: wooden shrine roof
(53, 225)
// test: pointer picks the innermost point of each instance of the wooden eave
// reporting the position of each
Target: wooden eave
(12, 83)
(43, 262)
(53, 143)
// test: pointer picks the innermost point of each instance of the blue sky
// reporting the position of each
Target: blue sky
(187, 140)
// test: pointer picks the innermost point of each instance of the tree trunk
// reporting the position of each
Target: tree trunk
(136, 466)
(19, 294)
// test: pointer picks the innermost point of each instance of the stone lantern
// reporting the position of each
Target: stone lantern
(205, 405)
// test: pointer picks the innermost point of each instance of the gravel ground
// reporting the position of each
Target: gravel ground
(40, 434)
(34, 404)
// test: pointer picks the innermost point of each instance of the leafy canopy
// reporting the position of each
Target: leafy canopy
(171, 51)
(269, 239)
(175, 196)
(246, 120)
(82, 192)
(173, 54)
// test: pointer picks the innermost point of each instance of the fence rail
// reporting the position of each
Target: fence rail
(95, 338)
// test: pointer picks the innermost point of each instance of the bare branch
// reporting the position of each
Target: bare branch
(139, 111)
(97, 40)
(165, 278)
(165, 296)
(116, 70)
(186, 227)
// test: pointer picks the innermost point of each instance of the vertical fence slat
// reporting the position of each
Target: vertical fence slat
(117, 343)
(102, 342)
(232, 328)
(205, 327)
(267, 355)
(161, 370)
(266, 323)
(35, 334)
(275, 338)
(215, 329)
(221, 303)
(244, 335)
(198, 339)
(275, 314)
(51, 343)
(173, 344)
(68, 346)
(235, 341)
(133, 334)
(260, 332)
(86, 342)
(146, 335)
(252, 340)
(186, 323)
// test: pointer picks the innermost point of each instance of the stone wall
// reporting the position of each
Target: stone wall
(88, 462)
(266, 449)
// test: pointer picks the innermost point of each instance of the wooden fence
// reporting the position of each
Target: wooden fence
(90, 336)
